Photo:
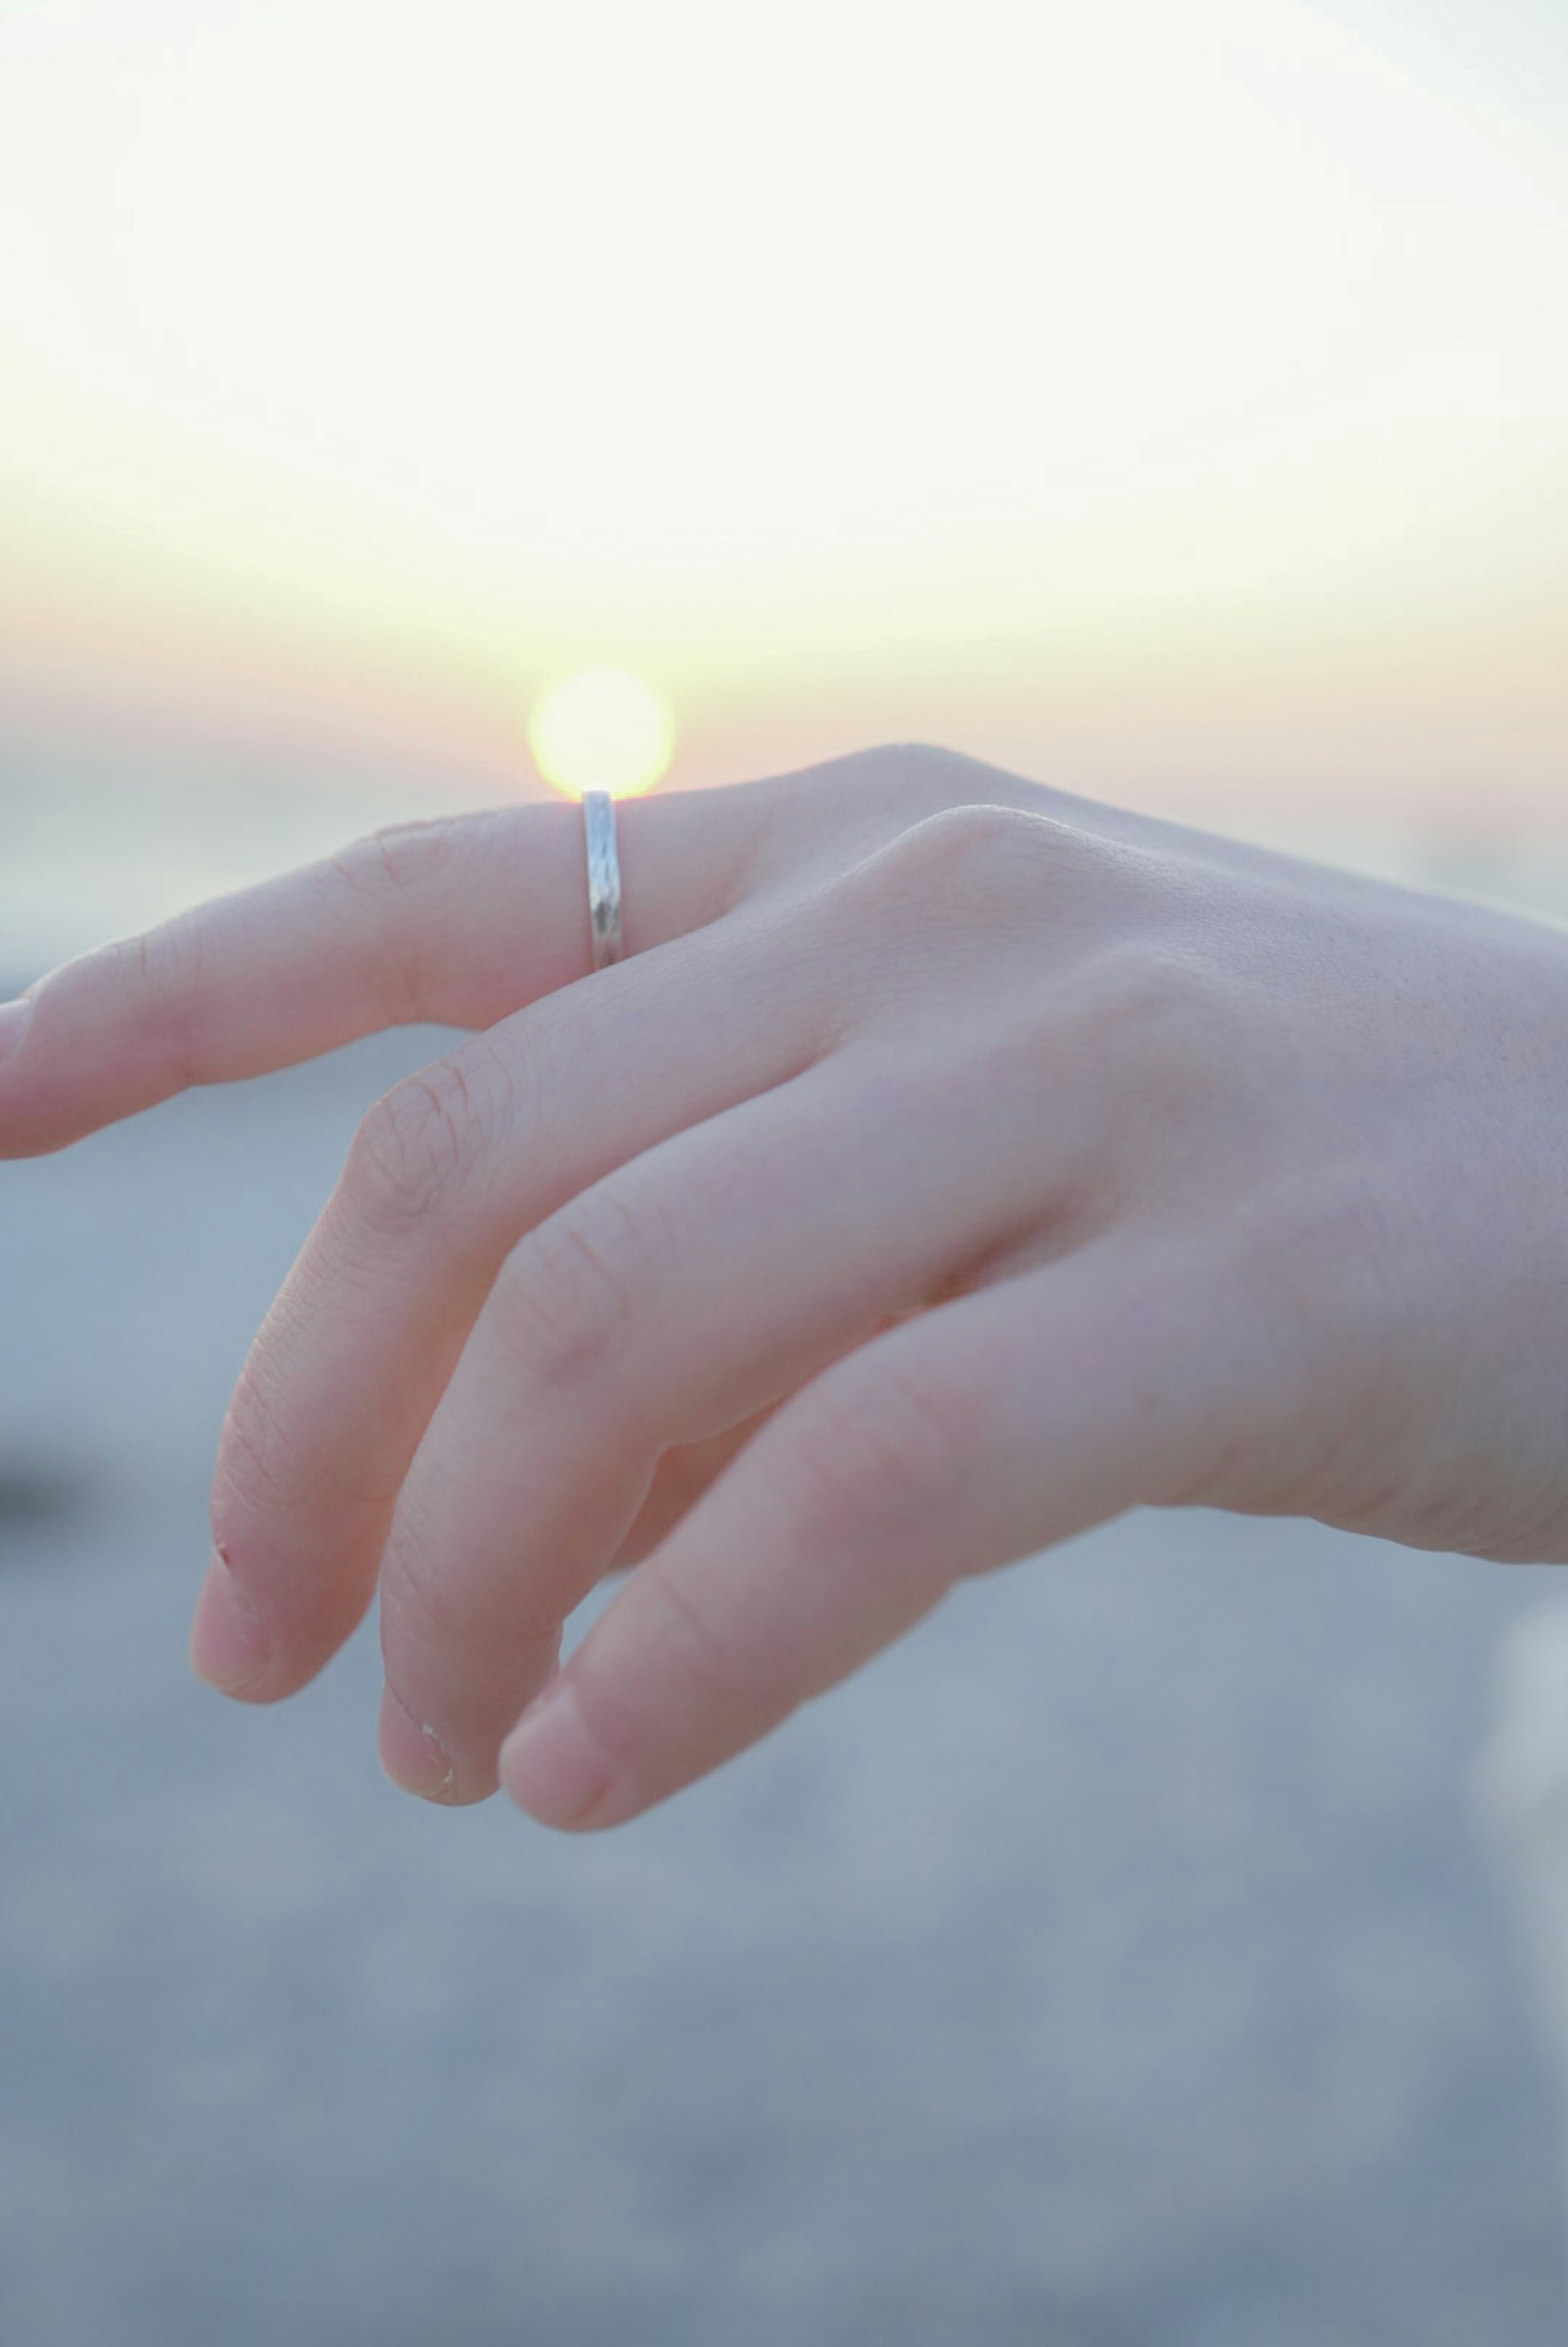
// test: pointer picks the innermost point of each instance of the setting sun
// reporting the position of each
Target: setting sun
(602, 729)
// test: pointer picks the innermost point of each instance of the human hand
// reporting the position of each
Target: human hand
(951, 1165)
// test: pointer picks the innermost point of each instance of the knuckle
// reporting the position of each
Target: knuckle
(889, 787)
(164, 970)
(566, 1297)
(167, 960)
(970, 844)
(876, 1454)
(908, 780)
(414, 864)
(415, 1148)
(398, 857)
(978, 865)
(933, 754)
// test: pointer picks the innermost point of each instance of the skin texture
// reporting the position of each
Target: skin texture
(951, 1165)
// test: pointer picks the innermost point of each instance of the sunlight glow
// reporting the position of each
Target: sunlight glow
(602, 729)
(1007, 355)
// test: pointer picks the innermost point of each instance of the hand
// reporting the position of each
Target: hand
(951, 1165)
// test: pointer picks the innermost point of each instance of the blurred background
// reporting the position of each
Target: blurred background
(404, 409)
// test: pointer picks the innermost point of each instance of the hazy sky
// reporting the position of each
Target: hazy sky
(1174, 397)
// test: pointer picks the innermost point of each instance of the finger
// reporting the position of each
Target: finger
(675, 1299)
(459, 922)
(989, 1427)
(444, 1177)
(456, 1163)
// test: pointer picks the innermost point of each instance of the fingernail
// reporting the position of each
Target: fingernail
(229, 1647)
(14, 1017)
(412, 1754)
(549, 1764)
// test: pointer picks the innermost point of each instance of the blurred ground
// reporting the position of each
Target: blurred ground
(1114, 1961)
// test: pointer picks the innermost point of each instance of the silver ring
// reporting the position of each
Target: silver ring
(604, 877)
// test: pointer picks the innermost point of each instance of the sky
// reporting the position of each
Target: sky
(1172, 402)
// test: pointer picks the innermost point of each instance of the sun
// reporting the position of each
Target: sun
(602, 729)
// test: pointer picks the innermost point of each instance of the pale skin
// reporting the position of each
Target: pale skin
(951, 1165)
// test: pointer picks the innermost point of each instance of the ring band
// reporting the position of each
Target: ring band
(604, 877)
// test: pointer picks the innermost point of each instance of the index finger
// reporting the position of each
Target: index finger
(459, 921)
